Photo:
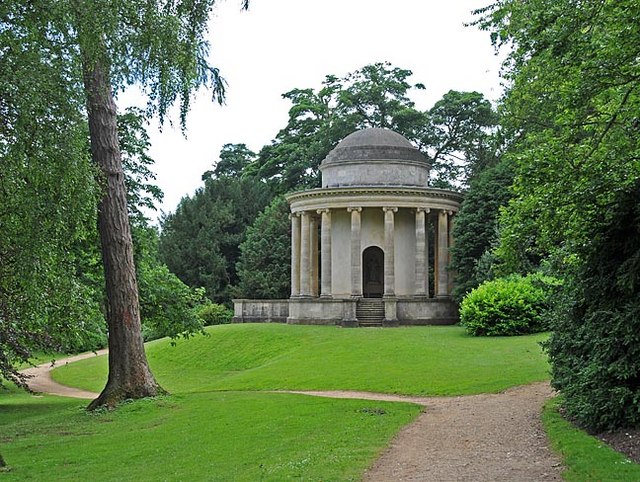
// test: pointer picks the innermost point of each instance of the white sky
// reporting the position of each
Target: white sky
(279, 45)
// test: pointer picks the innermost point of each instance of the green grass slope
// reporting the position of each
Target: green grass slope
(418, 361)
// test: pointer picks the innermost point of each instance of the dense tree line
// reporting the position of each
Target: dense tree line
(476, 227)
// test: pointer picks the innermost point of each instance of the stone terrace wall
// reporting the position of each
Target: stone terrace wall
(260, 311)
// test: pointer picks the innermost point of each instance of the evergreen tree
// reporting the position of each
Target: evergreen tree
(264, 268)
(595, 344)
(200, 241)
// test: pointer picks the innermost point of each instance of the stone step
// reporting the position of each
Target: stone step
(370, 324)
(370, 312)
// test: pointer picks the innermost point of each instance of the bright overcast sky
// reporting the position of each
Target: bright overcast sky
(279, 45)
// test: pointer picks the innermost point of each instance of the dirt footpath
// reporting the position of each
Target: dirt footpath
(40, 380)
(488, 437)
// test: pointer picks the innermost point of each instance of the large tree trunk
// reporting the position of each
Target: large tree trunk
(129, 373)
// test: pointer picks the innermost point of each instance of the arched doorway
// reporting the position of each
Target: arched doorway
(373, 272)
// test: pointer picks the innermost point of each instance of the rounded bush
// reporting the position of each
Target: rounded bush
(215, 314)
(514, 305)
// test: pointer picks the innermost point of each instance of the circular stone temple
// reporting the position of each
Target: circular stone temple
(371, 246)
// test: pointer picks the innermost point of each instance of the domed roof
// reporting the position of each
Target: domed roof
(374, 144)
(375, 157)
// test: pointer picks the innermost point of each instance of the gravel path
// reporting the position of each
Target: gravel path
(40, 378)
(487, 437)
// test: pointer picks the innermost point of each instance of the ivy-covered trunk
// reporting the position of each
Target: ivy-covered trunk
(129, 373)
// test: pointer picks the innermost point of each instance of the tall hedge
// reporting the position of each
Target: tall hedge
(595, 346)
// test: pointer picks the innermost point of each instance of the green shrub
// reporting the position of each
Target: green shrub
(595, 345)
(168, 307)
(514, 305)
(214, 314)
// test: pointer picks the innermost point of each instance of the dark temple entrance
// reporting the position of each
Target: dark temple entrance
(373, 272)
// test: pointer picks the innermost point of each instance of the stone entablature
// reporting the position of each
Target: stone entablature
(366, 196)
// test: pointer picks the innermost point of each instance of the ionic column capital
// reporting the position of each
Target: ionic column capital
(389, 208)
(423, 210)
(352, 209)
(323, 211)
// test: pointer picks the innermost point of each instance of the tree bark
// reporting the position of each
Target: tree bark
(129, 373)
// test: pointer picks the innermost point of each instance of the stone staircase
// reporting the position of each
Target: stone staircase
(370, 312)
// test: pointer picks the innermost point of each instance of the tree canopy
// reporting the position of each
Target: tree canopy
(47, 190)
(264, 265)
(454, 134)
(75, 56)
(200, 242)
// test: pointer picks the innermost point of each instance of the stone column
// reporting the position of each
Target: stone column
(421, 253)
(389, 258)
(451, 274)
(442, 286)
(295, 254)
(313, 268)
(356, 261)
(325, 254)
(305, 255)
(427, 225)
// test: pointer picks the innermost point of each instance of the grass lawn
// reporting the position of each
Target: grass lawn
(586, 458)
(198, 436)
(418, 361)
(221, 423)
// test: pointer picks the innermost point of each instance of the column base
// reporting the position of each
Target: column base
(390, 310)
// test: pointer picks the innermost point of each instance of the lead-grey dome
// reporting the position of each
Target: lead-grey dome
(374, 157)
(374, 144)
